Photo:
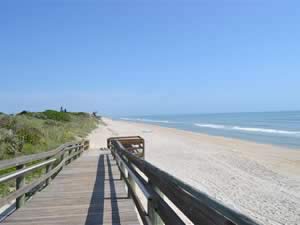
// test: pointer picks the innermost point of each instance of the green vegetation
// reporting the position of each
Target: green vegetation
(58, 116)
(28, 132)
(33, 132)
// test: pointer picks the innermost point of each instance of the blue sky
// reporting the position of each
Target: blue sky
(150, 57)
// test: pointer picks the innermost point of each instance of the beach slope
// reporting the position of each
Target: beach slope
(261, 181)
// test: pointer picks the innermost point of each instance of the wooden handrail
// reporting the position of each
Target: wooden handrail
(25, 171)
(161, 188)
(134, 144)
(5, 164)
(37, 161)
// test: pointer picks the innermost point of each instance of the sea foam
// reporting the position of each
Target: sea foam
(146, 120)
(265, 130)
(249, 129)
(214, 126)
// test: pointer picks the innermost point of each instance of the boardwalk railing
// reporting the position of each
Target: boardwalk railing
(52, 162)
(133, 144)
(163, 199)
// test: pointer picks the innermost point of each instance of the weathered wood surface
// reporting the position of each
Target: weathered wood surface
(197, 207)
(88, 191)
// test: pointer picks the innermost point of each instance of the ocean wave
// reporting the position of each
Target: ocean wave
(264, 130)
(146, 120)
(214, 126)
(249, 129)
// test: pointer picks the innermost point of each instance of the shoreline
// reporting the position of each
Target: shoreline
(260, 180)
(282, 145)
(235, 143)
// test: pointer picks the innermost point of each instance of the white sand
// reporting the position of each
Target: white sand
(262, 181)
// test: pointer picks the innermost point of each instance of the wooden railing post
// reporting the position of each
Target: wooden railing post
(131, 184)
(48, 169)
(20, 182)
(62, 158)
(117, 160)
(152, 211)
(113, 152)
(76, 150)
(86, 145)
(80, 148)
(70, 152)
(131, 179)
(125, 176)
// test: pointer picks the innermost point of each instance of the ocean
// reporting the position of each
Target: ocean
(276, 128)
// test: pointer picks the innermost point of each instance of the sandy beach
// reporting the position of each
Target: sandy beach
(259, 180)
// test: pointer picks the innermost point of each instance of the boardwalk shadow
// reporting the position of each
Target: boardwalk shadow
(95, 215)
(96, 208)
(113, 195)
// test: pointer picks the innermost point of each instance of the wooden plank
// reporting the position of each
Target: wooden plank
(27, 188)
(88, 191)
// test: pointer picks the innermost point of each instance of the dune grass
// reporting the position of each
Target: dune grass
(28, 133)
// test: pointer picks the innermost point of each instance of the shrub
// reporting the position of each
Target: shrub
(58, 116)
(24, 112)
(80, 114)
(7, 122)
(38, 115)
(29, 135)
(10, 144)
(4, 122)
(50, 123)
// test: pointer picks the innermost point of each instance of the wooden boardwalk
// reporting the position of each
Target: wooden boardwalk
(87, 192)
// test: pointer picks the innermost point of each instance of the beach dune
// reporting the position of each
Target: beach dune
(259, 180)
